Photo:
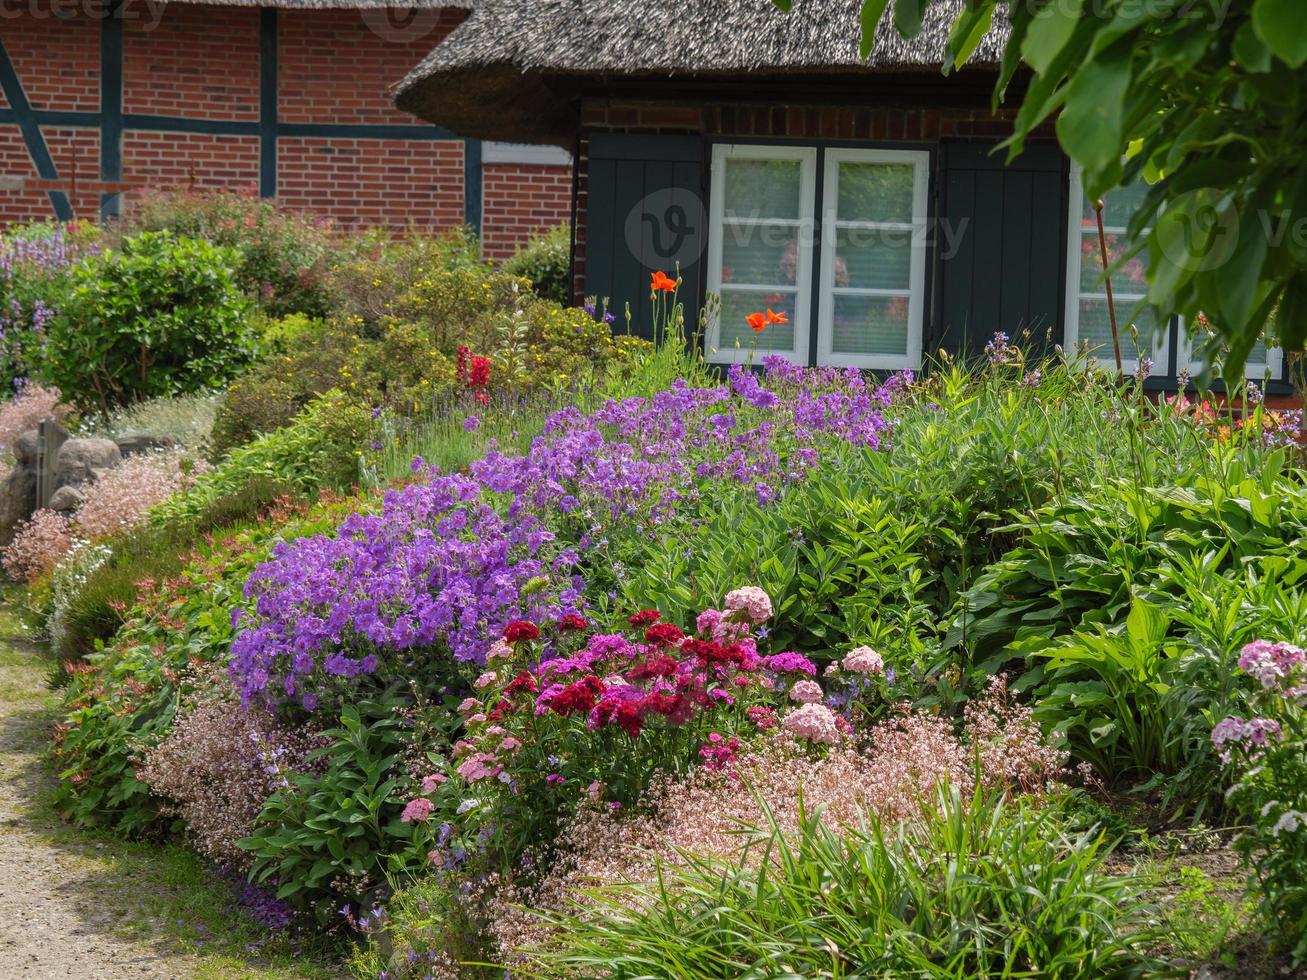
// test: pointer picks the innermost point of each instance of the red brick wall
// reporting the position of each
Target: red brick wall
(521, 200)
(202, 63)
(196, 62)
(374, 182)
(57, 59)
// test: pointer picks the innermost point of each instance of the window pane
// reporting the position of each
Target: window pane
(1130, 278)
(739, 303)
(1096, 331)
(762, 188)
(760, 254)
(870, 325)
(875, 192)
(873, 258)
(1119, 204)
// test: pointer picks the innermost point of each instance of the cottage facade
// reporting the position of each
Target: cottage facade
(285, 98)
(757, 151)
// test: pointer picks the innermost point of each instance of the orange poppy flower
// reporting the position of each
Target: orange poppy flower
(774, 317)
(757, 321)
(659, 281)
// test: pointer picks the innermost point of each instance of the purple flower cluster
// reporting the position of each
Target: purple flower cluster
(438, 565)
(450, 561)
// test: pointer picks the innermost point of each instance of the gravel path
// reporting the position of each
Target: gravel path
(61, 904)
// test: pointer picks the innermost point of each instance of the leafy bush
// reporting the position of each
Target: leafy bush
(1267, 755)
(875, 902)
(336, 833)
(546, 261)
(281, 257)
(123, 699)
(36, 263)
(158, 316)
(317, 450)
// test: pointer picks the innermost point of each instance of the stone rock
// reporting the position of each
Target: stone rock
(82, 460)
(65, 499)
(17, 500)
(135, 443)
(25, 447)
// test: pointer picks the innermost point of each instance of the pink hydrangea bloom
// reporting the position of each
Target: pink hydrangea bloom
(864, 660)
(1270, 662)
(751, 602)
(482, 765)
(806, 692)
(814, 722)
(417, 810)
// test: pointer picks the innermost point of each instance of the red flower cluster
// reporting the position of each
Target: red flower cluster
(518, 631)
(663, 635)
(579, 696)
(473, 372)
(645, 617)
(573, 623)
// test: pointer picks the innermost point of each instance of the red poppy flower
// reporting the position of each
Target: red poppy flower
(757, 321)
(774, 317)
(659, 280)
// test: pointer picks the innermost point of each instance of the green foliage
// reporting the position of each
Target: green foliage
(188, 419)
(123, 698)
(317, 450)
(1028, 900)
(335, 834)
(1199, 99)
(281, 256)
(546, 261)
(158, 316)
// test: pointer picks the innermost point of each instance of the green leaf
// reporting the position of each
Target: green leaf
(1090, 126)
(968, 31)
(1283, 28)
(1049, 32)
(907, 16)
(872, 11)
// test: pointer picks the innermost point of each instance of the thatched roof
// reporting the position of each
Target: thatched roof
(501, 73)
(336, 4)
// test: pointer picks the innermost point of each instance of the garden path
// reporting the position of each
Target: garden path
(68, 906)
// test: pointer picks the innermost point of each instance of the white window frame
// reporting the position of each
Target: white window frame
(494, 151)
(807, 157)
(1071, 332)
(1188, 360)
(916, 291)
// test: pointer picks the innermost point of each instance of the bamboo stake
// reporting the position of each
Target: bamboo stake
(1111, 303)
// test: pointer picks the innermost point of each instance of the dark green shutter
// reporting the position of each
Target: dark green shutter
(644, 213)
(1007, 270)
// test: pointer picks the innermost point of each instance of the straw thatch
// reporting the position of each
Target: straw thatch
(337, 4)
(504, 72)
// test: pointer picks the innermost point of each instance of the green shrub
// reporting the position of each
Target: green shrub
(159, 316)
(319, 449)
(93, 596)
(546, 260)
(1024, 899)
(334, 834)
(281, 257)
(187, 419)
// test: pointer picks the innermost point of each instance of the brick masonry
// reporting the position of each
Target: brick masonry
(190, 71)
